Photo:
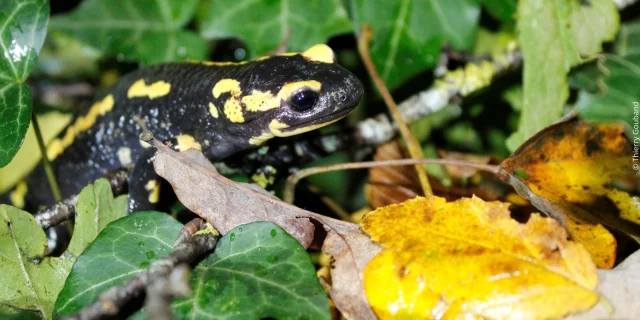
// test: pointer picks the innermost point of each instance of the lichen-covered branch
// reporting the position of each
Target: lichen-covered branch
(460, 82)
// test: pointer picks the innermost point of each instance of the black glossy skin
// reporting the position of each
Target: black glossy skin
(185, 110)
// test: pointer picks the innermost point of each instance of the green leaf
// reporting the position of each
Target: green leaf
(504, 10)
(26, 282)
(264, 25)
(620, 89)
(628, 40)
(23, 27)
(408, 34)
(552, 35)
(123, 249)
(150, 31)
(95, 208)
(257, 271)
(29, 282)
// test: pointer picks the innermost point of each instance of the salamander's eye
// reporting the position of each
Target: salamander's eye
(303, 100)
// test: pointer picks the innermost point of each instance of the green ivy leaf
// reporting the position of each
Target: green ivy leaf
(23, 26)
(123, 249)
(628, 40)
(552, 35)
(257, 271)
(150, 31)
(30, 283)
(408, 34)
(503, 10)
(264, 25)
(95, 208)
(619, 89)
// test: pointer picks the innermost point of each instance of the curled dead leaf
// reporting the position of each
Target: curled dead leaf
(227, 204)
(568, 170)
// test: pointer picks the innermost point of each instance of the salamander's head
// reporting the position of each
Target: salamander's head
(287, 94)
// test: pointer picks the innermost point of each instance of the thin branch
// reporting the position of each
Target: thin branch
(460, 82)
(65, 209)
(415, 150)
(53, 183)
(110, 302)
(292, 180)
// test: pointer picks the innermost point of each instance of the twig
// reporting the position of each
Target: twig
(460, 82)
(53, 183)
(110, 302)
(412, 143)
(292, 180)
(66, 209)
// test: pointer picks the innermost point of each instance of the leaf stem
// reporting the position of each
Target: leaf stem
(288, 193)
(412, 143)
(53, 183)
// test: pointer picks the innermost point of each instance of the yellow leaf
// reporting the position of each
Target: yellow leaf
(575, 165)
(470, 259)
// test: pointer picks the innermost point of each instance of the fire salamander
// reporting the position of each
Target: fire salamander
(217, 107)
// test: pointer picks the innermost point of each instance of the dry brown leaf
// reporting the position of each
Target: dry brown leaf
(227, 204)
(389, 184)
(461, 171)
(394, 184)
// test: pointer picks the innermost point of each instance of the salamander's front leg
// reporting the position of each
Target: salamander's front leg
(147, 190)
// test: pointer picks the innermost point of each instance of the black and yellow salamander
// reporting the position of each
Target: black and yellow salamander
(219, 108)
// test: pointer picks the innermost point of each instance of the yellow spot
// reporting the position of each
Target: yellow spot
(154, 90)
(227, 85)
(286, 54)
(320, 53)
(154, 191)
(260, 101)
(290, 88)
(262, 180)
(275, 126)
(221, 63)
(213, 110)
(17, 195)
(57, 146)
(260, 139)
(186, 142)
(124, 155)
(233, 110)
(209, 229)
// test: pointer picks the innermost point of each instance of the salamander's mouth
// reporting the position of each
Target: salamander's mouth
(279, 130)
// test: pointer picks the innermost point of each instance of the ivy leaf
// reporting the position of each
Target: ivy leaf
(628, 40)
(146, 30)
(23, 26)
(504, 10)
(256, 260)
(31, 283)
(264, 25)
(95, 208)
(618, 92)
(552, 36)
(123, 249)
(408, 34)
